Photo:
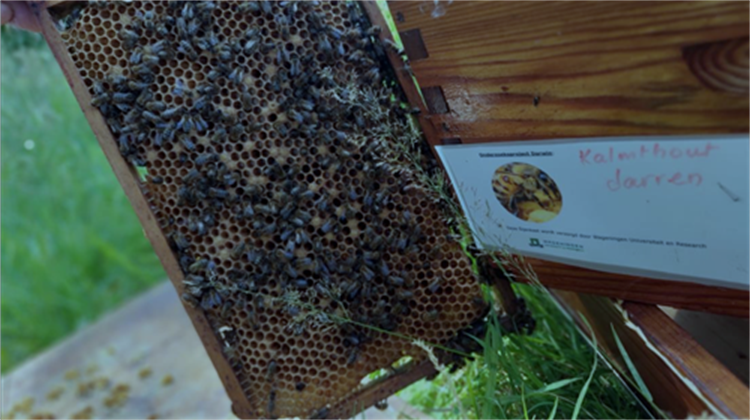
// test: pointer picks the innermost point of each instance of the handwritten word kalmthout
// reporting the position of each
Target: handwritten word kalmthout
(648, 152)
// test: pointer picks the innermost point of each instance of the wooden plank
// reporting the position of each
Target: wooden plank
(695, 297)
(150, 332)
(726, 338)
(537, 70)
(597, 69)
(683, 378)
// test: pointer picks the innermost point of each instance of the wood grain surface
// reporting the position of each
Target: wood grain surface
(511, 71)
(596, 68)
(149, 334)
(683, 378)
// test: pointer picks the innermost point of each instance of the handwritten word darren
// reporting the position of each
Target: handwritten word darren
(588, 157)
(677, 179)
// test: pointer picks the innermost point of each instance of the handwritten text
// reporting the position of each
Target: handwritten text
(588, 157)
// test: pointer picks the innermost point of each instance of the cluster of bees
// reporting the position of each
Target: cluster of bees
(322, 257)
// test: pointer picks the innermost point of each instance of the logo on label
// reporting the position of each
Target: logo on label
(535, 242)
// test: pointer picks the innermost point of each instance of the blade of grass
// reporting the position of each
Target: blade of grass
(554, 409)
(631, 367)
(584, 390)
(523, 404)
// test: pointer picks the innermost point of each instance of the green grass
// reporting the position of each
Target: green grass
(72, 247)
(553, 373)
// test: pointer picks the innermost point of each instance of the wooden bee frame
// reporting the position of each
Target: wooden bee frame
(362, 397)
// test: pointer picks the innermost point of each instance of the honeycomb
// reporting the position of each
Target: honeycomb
(281, 164)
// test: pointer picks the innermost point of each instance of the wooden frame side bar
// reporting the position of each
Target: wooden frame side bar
(128, 178)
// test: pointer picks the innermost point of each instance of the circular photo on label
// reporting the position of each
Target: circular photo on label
(527, 192)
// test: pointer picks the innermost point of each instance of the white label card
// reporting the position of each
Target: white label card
(673, 208)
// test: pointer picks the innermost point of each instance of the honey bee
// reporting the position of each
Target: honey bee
(273, 368)
(190, 300)
(129, 38)
(213, 75)
(150, 116)
(186, 48)
(122, 97)
(171, 112)
(248, 7)
(236, 76)
(320, 413)
(272, 401)
(100, 99)
(393, 46)
(265, 7)
(527, 192)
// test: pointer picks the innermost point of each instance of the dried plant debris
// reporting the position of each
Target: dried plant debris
(55, 393)
(118, 396)
(293, 186)
(167, 380)
(85, 413)
(42, 415)
(145, 373)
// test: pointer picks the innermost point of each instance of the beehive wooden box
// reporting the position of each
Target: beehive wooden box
(509, 71)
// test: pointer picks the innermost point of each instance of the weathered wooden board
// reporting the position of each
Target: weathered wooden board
(502, 71)
(726, 338)
(150, 334)
(683, 378)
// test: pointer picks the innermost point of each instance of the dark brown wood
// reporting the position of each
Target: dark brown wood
(717, 383)
(539, 70)
(413, 44)
(683, 378)
(695, 297)
(435, 100)
(380, 390)
(128, 178)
